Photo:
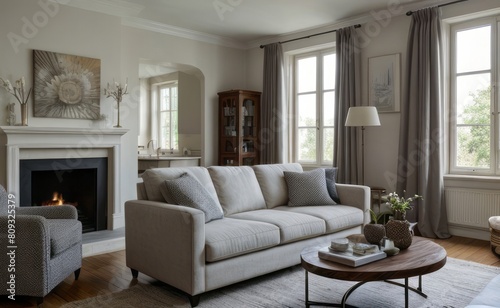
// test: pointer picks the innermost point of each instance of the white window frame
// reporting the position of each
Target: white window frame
(294, 145)
(494, 108)
(157, 103)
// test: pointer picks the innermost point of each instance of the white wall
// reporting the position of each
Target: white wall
(383, 37)
(79, 32)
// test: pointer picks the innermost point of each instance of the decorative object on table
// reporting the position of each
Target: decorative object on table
(387, 246)
(399, 205)
(374, 232)
(18, 91)
(365, 254)
(116, 92)
(384, 83)
(362, 116)
(339, 244)
(399, 229)
(66, 86)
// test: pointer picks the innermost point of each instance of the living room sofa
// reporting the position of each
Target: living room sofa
(259, 232)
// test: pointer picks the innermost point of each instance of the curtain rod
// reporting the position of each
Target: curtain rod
(308, 36)
(409, 13)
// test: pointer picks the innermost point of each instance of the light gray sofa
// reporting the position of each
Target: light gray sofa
(259, 233)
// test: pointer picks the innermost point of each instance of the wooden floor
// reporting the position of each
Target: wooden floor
(108, 273)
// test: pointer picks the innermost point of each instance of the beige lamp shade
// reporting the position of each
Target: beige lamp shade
(362, 116)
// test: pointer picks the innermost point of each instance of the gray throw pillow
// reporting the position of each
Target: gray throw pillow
(307, 188)
(188, 191)
(331, 176)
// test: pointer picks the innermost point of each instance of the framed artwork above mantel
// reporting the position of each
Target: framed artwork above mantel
(66, 86)
(384, 82)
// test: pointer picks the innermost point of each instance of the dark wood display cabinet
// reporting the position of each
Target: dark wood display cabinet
(239, 127)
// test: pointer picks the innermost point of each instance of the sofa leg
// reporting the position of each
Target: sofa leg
(77, 273)
(135, 273)
(39, 301)
(194, 300)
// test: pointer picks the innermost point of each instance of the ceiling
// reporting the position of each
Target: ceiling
(243, 21)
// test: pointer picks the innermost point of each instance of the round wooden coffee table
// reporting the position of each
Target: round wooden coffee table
(422, 257)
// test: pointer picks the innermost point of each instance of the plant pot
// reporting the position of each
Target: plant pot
(374, 233)
(400, 232)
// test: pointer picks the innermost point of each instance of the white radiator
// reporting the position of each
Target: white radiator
(471, 207)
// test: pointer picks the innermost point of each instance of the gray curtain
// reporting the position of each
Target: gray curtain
(421, 154)
(347, 94)
(273, 108)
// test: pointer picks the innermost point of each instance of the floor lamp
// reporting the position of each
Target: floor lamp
(361, 117)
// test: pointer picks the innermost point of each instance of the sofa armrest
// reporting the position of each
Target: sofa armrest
(32, 254)
(356, 195)
(49, 212)
(166, 242)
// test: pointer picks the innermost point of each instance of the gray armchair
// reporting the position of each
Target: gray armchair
(48, 247)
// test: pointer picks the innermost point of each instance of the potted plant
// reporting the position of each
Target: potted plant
(399, 205)
(374, 232)
(399, 229)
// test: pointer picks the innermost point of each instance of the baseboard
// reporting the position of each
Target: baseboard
(103, 246)
(118, 221)
(469, 232)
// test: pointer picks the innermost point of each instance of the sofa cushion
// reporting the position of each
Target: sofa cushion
(237, 189)
(331, 186)
(64, 233)
(272, 182)
(154, 177)
(229, 237)
(336, 217)
(307, 188)
(293, 226)
(188, 191)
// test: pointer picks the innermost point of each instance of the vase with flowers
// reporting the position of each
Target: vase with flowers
(18, 91)
(116, 92)
(399, 229)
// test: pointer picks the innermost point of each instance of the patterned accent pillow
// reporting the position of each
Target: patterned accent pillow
(331, 176)
(188, 191)
(307, 188)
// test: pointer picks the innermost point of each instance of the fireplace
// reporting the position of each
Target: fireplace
(79, 182)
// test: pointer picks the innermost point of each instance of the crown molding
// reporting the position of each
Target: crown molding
(149, 25)
(359, 19)
(118, 8)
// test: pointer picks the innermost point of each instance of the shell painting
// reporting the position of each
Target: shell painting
(66, 86)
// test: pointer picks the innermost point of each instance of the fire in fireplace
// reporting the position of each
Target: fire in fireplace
(57, 199)
(83, 184)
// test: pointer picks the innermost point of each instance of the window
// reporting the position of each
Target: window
(168, 109)
(314, 97)
(474, 127)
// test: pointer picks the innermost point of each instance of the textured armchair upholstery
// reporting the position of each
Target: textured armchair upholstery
(48, 247)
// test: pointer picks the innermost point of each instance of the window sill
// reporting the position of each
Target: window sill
(481, 182)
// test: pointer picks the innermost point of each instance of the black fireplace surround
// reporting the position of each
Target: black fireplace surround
(82, 182)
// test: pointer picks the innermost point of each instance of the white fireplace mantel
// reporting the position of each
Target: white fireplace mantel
(27, 142)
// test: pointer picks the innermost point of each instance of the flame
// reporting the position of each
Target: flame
(57, 199)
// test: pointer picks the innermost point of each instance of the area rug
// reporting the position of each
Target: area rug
(452, 286)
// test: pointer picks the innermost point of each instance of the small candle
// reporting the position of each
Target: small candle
(389, 244)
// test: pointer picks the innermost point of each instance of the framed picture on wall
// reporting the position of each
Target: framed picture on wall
(66, 86)
(384, 83)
